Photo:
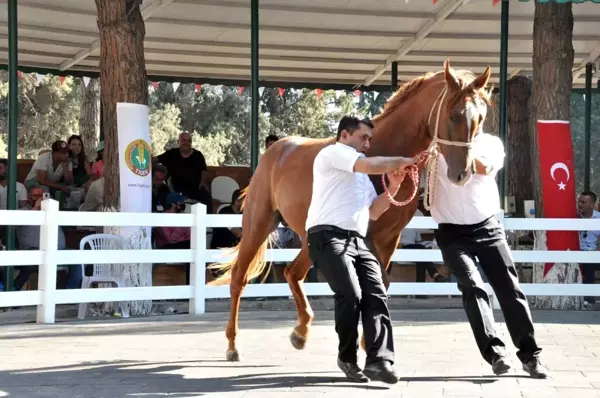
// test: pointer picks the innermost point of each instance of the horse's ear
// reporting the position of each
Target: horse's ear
(450, 76)
(482, 80)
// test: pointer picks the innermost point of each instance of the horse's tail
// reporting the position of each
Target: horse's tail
(257, 267)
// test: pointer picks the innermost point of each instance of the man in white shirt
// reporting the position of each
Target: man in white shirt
(588, 240)
(21, 191)
(468, 229)
(52, 171)
(343, 202)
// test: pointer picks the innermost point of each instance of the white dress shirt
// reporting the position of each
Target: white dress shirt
(479, 198)
(340, 197)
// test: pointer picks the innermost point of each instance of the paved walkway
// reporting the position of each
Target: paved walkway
(178, 356)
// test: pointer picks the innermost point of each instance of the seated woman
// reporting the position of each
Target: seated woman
(81, 167)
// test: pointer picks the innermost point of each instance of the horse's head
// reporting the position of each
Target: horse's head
(457, 117)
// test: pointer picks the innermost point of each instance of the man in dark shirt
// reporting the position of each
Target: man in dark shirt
(228, 237)
(160, 190)
(188, 171)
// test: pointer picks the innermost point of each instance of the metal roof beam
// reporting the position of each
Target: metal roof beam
(425, 30)
(147, 12)
(592, 57)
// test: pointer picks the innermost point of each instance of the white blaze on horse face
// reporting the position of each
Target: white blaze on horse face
(472, 111)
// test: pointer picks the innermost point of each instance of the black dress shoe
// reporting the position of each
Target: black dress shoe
(535, 369)
(381, 371)
(352, 371)
(500, 365)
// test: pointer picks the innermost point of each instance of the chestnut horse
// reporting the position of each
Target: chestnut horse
(430, 110)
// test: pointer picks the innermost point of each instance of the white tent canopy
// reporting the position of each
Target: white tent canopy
(305, 41)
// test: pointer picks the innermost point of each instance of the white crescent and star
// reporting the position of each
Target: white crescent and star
(557, 166)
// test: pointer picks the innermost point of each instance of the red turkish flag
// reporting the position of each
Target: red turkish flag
(558, 181)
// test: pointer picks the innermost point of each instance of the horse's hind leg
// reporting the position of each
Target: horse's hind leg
(295, 274)
(251, 245)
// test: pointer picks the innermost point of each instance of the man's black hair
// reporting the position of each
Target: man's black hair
(591, 194)
(159, 168)
(235, 195)
(4, 162)
(351, 124)
(271, 138)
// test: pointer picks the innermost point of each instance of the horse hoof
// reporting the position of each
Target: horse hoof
(297, 341)
(233, 356)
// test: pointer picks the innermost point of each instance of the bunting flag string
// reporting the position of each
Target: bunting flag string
(62, 79)
(319, 92)
(357, 93)
(261, 90)
(281, 91)
(197, 88)
(240, 89)
(154, 85)
(175, 86)
(86, 81)
(38, 79)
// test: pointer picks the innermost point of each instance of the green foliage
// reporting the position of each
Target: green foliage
(578, 133)
(49, 111)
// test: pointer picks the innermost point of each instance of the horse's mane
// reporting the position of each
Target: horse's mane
(411, 88)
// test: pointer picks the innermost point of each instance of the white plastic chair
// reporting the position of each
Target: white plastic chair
(222, 188)
(101, 273)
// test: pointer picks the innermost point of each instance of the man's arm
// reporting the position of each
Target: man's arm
(41, 177)
(382, 202)
(382, 164)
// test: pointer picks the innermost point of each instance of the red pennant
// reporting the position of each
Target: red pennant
(240, 89)
(435, 2)
(281, 91)
(357, 92)
(557, 169)
(494, 2)
(19, 73)
(197, 89)
(155, 85)
(62, 79)
(319, 93)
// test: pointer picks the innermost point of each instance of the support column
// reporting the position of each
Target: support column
(13, 122)
(254, 86)
(394, 76)
(588, 125)
(503, 100)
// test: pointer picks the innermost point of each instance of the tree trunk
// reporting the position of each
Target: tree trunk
(89, 117)
(519, 165)
(123, 79)
(551, 94)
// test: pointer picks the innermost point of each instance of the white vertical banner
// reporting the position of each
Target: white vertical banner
(135, 158)
(135, 172)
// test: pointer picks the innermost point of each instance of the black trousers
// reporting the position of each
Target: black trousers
(354, 275)
(460, 244)
(589, 278)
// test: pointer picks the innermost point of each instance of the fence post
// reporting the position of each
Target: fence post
(198, 266)
(47, 270)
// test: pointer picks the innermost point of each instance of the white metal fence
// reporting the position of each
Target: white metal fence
(49, 218)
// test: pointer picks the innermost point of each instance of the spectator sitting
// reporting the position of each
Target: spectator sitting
(28, 237)
(228, 237)
(21, 191)
(188, 171)
(81, 166)
(50, 169)
(94, 198)
(160, 190)
(270, 140)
